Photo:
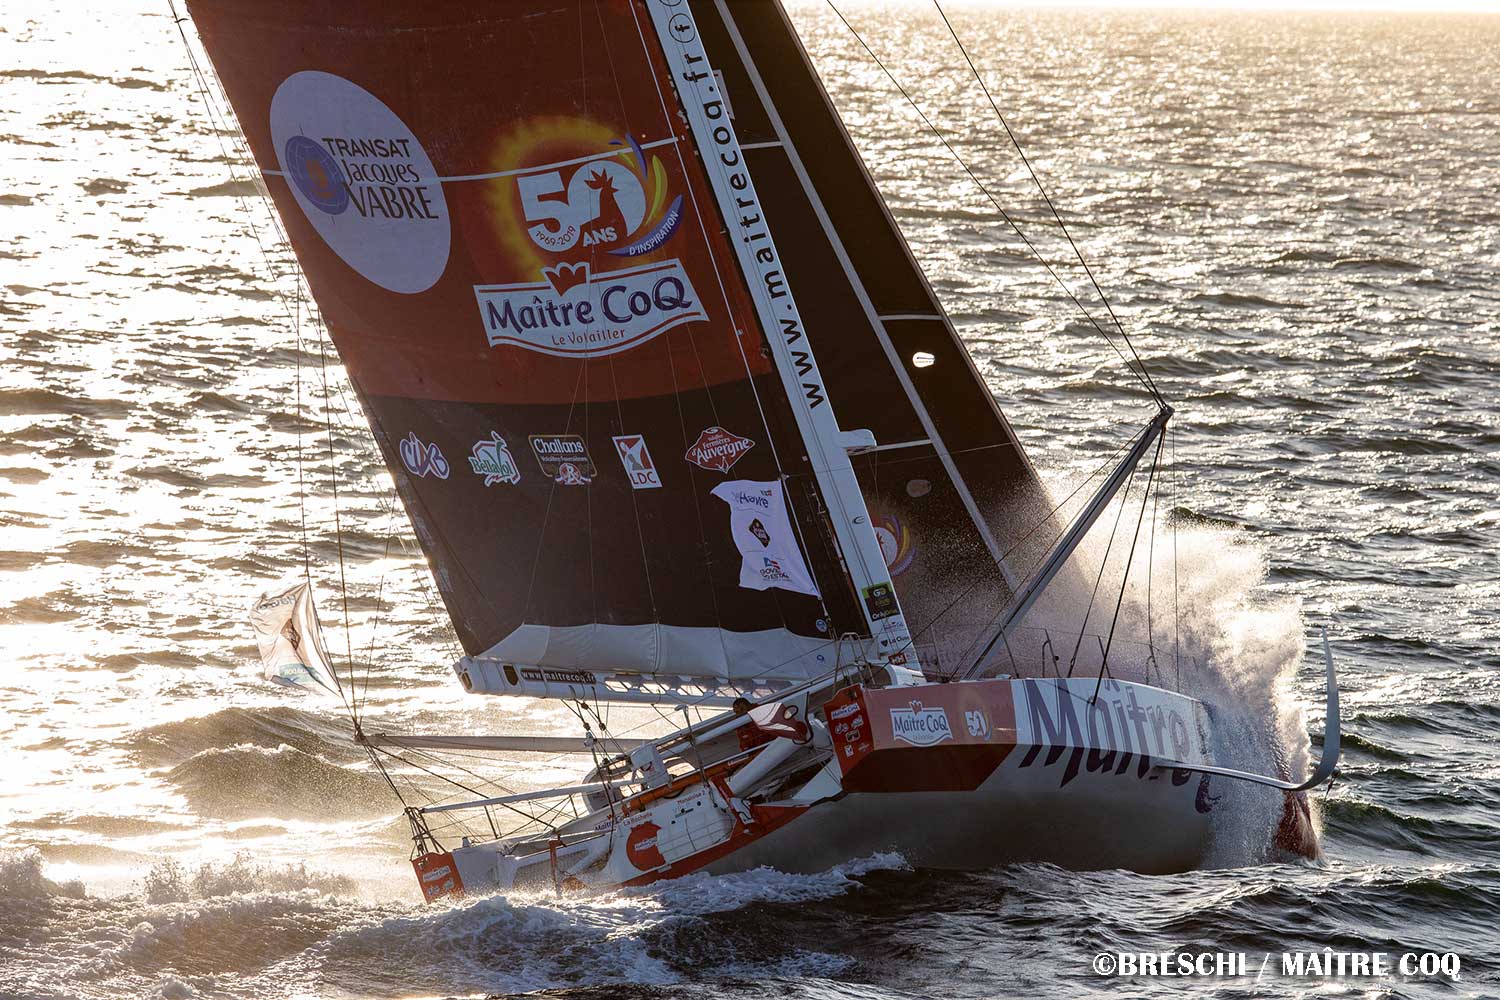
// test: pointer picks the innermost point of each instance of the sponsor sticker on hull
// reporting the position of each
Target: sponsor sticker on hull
(438, 876)
(919, 725)
(642, 847)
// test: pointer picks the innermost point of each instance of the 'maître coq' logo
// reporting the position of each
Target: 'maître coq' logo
(583, 210)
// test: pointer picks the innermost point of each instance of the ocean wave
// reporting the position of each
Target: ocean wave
(1361, 744)
(1390, 909)
(38, 402)
(270, 727)
(661, 934)
(230, 929)
(170, 881)
(1457, 829)
(21, 878)
(245, 781)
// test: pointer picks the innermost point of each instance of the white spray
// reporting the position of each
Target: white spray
(1216, 635)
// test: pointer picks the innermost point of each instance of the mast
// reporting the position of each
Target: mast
(710, 119)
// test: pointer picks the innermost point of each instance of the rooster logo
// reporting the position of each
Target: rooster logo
(653, 177)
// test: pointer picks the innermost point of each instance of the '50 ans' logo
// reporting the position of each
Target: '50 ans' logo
(604, 202)
(564, 208)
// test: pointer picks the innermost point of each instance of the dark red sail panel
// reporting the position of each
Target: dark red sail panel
(503, 220)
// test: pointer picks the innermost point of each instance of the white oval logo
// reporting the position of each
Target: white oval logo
(362, 179)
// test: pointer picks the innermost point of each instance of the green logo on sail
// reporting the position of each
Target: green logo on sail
(492, 460)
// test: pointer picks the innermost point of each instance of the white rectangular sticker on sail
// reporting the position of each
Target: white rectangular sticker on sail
(763, 533)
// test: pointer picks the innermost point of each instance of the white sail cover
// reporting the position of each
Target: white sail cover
(291, 640)
(763, 532)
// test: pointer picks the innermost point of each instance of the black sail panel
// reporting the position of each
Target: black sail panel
(951, 491)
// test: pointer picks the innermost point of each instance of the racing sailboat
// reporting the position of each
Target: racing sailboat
(678, 420)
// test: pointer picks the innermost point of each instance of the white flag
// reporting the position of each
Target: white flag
(763, 532)
(291, 640)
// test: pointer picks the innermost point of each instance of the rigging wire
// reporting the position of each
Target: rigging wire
(301, 484)
(1041, 188)
(220, 122)
(444, 778)
(1151, 560)
(1103, 562)
(1176, 619)
(1129, 559)
(1046, 519)
(1140, 376)
(338, 527)
(1139, 368)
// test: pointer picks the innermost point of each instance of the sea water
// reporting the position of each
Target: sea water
(1295, 216)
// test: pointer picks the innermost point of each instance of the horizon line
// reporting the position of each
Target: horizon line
(1247, 6)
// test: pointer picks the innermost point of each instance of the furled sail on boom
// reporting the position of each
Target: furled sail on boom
(535, 285)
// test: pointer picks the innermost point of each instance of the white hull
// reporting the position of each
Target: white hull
(1098, 821)
(968, 775)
